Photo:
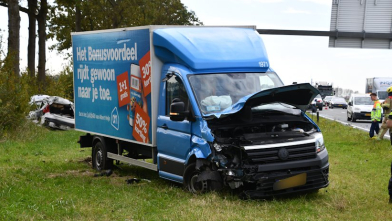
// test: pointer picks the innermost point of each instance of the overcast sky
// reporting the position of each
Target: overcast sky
(294, 58)
(299, 58)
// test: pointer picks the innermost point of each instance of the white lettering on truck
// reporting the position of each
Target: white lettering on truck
(113, 54)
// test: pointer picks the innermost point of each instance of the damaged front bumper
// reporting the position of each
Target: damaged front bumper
(262, 181)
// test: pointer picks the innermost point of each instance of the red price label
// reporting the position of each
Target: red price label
(123, 89)
(141, 125)
(145, 70)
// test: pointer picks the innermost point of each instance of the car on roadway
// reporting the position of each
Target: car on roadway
(338, 102)
(317, 102)
(327, 99)
(359, 107)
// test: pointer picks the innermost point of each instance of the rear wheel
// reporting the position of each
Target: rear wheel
(100, 160)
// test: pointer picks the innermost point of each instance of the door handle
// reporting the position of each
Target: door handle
(165, 127)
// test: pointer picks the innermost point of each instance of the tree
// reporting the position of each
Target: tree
(13, 35)
(41, 18)
(32, 10)
(106, 14)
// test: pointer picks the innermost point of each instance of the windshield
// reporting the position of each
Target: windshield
(363, 101)
(216, 92)
(327, 98)
(382, 95)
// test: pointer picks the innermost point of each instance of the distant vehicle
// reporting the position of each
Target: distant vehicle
(327, 100)
(54, 112)
(318, 102)
(359, 107)
(379, 86)
(338, 102)
(325, 90)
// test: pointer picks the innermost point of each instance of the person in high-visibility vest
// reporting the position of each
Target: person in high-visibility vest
(375, 116)
(386, 106)
(389, 125)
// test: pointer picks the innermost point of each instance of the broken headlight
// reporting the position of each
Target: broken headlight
(320, 146)
(217, 146)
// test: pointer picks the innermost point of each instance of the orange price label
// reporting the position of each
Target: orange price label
(145, 69)
(141, 125)
(123, 89)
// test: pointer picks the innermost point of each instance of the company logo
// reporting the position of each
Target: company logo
(283, 154)
(114, 119)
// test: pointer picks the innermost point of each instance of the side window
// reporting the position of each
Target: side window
(175, 89)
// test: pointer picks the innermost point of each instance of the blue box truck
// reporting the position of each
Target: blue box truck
(202, 104)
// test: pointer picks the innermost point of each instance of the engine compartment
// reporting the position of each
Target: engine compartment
(262, 129)
(240, 167)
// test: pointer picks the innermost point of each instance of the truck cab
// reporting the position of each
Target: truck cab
(235, 127)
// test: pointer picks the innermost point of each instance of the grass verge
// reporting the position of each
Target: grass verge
(44, 175)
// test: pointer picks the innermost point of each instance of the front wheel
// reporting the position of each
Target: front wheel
(348, 118)
(190, 180)
(100, 160)
(353, 119)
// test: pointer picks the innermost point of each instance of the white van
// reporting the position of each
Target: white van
(359, 107)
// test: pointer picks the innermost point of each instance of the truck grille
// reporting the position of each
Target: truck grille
(270, 155)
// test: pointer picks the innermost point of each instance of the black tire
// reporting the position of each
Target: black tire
(100, 159)
(190, 180)
(353, 119)
(348, 118)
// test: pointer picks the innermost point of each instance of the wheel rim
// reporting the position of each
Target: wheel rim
(99, 159)
(197, 187)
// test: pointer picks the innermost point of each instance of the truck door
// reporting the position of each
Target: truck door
(173, 137)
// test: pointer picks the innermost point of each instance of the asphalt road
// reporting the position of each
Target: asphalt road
(340, 115)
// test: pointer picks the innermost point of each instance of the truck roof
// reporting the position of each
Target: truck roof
(208, 48)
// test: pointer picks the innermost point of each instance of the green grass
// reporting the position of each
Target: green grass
(44, 175)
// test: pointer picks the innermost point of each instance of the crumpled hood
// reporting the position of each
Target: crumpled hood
(298, 95)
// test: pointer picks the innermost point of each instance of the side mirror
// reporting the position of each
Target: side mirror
(350, 103)
(177, 110)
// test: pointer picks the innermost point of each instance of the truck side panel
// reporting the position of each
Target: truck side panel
(112, 84)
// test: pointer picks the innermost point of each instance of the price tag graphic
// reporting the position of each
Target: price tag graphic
(123, 89)
(145, 69)
(141, 125)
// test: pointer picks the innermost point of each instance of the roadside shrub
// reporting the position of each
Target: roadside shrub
(15, 93)
(61, 85)
(14, 97)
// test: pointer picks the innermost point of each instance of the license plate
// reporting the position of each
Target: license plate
(340, 105)
(367, 115)
(297, 180)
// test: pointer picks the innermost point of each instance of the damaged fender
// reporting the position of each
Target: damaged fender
(200, 149)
